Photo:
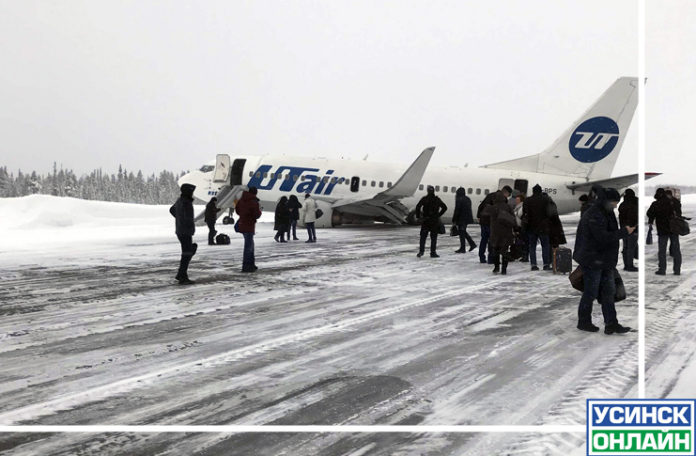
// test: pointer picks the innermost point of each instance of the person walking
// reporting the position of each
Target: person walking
(182, 211)
(211, 214)
(502, 235)
(536, 214)
(429, 209)
(294, 206)
(309, 216)
(597, 253)
(282, 219)
(485, 222)
(660, 212)
(248, 210)
(628, 216)
(463, 217)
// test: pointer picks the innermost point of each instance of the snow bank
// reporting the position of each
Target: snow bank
(43, 221)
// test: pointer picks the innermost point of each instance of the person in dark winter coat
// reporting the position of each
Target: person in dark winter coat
(182, 210)
(282, 219)
(628, 216)
(584, 204)
(597, 253)
(485, 222)
(502, 236)
(660, 213)
(556, 233)
(430, 208)
(463, 217)
(294, 206)
(249, 211)
(536, 216)
(211, 214)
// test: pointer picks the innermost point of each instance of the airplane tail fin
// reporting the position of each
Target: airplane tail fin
(588, 149)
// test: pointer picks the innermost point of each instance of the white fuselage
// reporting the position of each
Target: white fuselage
(330, 180)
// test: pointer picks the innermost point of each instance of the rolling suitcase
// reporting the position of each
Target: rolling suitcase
(563, 261)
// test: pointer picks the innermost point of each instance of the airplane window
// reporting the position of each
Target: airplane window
(295, 177)
(381, 184)
(454, 189)
(478, 191)
(251, 174)
(486, 191)
(388, 184)
(340, 181)
(325, 179)
(364, 183)
(333, 180)
(258, 175)
(437, 188)
(303, 179)
(287, 177)
(265, 175)
(373, 183)
(470, 191)
(420, 187)
(207, 168)
(444, 189)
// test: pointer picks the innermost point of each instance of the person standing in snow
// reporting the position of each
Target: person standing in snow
(182, 211)
(309, 216)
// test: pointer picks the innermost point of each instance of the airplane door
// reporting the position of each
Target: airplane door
(222, 169)
(504, 182)
(354, 184)
(237, 171)
(521, 185)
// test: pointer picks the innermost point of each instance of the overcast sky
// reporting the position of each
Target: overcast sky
(671, 90)
(167, 85)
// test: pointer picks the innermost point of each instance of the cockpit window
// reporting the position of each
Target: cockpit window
(207, 168)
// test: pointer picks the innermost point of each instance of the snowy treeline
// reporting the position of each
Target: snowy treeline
(124, 186)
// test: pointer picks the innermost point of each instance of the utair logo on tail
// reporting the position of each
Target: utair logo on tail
(594, 139)
(289, 176)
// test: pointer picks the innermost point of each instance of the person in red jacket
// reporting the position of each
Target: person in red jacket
(249, 211)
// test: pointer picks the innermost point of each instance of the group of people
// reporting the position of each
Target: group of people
(288, 212)
(511, 226)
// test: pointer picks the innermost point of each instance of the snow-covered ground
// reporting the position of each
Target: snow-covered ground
(671, 318)
(351, 330)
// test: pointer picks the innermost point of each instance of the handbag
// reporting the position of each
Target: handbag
(679, 225)
(576, 279)
(619, 288)
(318, 213)
(649, 239)
(454, 231)
(441, 228)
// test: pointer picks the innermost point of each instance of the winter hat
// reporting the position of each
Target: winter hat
(253, 190)
(612, 195)
(583, 198)
(629, 193)
(659, 193)
(431, 189)
(536, 189)
(187, 190)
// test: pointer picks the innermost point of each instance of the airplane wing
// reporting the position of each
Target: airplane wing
(616, 182)
(386, 204)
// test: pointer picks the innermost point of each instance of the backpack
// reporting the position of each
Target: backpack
(318, 213)
(222, 239)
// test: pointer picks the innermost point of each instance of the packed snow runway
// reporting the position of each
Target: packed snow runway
(351, 330)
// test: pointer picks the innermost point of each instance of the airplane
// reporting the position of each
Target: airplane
(361, 191)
